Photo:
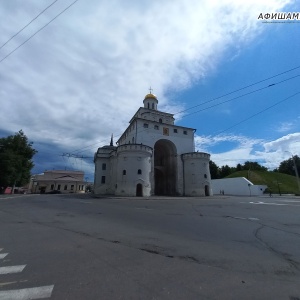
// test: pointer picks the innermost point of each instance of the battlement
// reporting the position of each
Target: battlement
(134, 147)
(196, 155)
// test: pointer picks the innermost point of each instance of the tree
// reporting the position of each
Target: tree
(239, 167)
(16, 155)
(214, 170)
(287, 166)
(253, 165)
(225, 171)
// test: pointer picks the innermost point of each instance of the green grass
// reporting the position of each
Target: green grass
(274, 180)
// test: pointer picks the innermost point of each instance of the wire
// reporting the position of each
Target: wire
(257, 90)
(254, 115)
(220, 103)
(245, 87)
(27, 24)
(10, 53)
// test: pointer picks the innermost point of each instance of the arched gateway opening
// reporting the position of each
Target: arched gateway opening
(165, 168)
(139, 190)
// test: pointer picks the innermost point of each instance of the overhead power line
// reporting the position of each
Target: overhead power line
(220, 103)
(258, 113)
(240, 89)
(252, 92)
(28, 24)
(10, 53)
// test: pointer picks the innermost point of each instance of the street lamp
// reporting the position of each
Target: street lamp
(296, 170)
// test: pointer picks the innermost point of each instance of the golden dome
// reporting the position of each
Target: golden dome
(150, 96)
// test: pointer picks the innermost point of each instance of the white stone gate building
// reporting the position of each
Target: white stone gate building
(153, 157)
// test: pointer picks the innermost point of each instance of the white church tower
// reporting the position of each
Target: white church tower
(153, 157)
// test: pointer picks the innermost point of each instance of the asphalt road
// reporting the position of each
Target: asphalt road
(79, 247)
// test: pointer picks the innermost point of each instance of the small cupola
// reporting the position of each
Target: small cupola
(150, 101)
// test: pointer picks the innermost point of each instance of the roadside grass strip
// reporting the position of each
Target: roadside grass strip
(26, 294)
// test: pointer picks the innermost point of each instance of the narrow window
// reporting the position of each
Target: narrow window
(133, 140)
(58, 187)
(65, 187)
(52, 187)
(185, 132)
(104, 166)
(156, 127)
(148, 105)
(152, 105)
(146, 125)
(175, 130)
(72, 187)
(205, 176)
(124, 172)
(139, 171)
(103, 179)
(160, 120)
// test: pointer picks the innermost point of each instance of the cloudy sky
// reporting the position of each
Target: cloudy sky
(80, 70)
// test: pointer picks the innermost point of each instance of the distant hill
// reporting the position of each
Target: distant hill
(275, 181)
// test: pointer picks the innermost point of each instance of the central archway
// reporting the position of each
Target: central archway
(165, 168)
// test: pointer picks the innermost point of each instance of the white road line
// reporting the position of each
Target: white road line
(11, 269)
(2, 255)
(26, 294)
(271, 203)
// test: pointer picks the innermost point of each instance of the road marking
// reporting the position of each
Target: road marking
(270, 203)
(11, 269)
(26, 294)
(2, 255)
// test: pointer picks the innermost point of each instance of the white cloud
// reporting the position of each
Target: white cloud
(244, 149)
(285, 126)
(84, 75)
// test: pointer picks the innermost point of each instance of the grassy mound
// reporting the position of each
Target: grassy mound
(276, 182)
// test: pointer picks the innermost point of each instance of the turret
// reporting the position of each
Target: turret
(150, 101)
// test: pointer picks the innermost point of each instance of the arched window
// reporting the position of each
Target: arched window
(160, 120)
(205, 176)
(124, 172)
(152, 105)
(139, 171)
(148, 105)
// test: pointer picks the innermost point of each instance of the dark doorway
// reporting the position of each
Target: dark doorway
(165, 168)
(139, 190)
(206, 190)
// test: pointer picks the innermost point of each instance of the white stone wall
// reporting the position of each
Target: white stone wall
(103, 157)
(131, 159)
(197, 174)
(239, 186)
(149, 136)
